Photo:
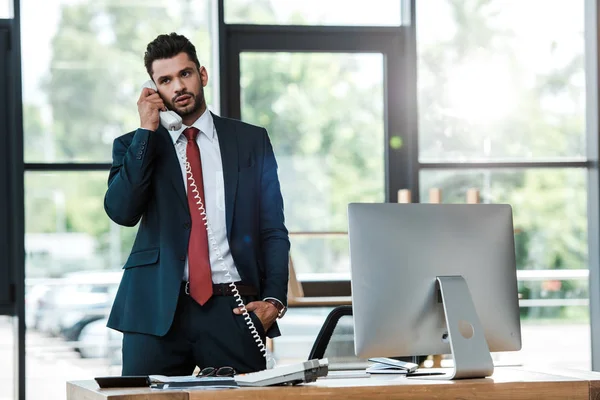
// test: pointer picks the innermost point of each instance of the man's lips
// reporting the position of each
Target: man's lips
(183, 99)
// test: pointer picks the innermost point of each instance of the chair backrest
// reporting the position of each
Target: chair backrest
(326, 332)
(340, 350)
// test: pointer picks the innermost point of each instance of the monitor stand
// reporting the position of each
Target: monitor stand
(469, 348)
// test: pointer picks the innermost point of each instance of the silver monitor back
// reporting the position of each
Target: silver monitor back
(396, 253)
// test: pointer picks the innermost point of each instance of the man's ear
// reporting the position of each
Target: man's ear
(203, 76)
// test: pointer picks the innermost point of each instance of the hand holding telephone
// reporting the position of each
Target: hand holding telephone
(169, 119)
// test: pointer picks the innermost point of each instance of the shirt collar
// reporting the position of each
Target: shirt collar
(204, 124)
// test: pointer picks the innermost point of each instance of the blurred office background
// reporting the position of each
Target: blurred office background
(501, 107)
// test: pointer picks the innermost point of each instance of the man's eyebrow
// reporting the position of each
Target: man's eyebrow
(160, 78)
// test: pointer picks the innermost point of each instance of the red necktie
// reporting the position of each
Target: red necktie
(198, 259)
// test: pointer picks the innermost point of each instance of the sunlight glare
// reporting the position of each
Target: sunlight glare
(481, 91)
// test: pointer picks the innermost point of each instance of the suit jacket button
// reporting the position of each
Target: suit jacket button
(182, 258)
(186, 225)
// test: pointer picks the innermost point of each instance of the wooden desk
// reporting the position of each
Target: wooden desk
(506, 383)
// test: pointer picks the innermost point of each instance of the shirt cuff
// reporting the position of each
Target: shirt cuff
(277, 300)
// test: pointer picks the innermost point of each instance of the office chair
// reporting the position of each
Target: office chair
(324, 336)
(326, 332)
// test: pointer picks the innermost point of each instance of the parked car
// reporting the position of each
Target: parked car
(98, 341)
(33, 295)
(74, 299)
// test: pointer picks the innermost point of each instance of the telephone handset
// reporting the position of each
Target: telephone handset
(169, 119)
(238, 298)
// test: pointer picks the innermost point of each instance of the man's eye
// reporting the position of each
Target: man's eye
(164, 81)
(185, 73)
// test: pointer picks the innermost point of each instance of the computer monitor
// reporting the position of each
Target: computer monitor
(416, 266)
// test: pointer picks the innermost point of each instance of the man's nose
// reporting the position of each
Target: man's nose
(178, 85)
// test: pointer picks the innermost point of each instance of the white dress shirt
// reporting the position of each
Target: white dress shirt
(214, 193)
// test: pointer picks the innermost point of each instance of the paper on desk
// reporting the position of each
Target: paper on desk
(379, 368)
(166, 379)
(190, 386)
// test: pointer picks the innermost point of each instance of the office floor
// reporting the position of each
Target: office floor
(51, 362)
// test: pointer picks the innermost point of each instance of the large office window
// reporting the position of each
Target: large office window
(324, 113)
(501, 108)
(502, 85)
(82, 74)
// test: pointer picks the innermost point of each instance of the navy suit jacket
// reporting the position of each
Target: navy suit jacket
(145, 185)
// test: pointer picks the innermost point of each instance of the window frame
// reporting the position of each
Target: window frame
(12, 187)
(391, 42)
(592, 76)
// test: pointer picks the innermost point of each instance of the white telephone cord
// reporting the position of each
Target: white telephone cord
(270, 361)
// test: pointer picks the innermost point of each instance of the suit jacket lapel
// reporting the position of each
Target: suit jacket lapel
(173, 166)
(229, 158)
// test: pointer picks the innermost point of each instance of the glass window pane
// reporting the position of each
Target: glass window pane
(321, 256)
(325, 120)
(299, 333)
(83, 69)
(550, 221)
(549, 208)
(74, 255)
(66, 227)
(492, 86)
(314, 12)
(6, 9)
(7, 358)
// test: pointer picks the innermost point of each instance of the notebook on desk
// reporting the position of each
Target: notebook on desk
(190, 381)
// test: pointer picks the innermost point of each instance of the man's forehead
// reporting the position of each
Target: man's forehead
(170, 66)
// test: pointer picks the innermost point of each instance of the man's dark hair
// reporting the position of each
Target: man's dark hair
(168, 46)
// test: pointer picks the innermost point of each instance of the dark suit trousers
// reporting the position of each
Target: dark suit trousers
(205, 336)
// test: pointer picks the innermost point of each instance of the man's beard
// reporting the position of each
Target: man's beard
(197, 102)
